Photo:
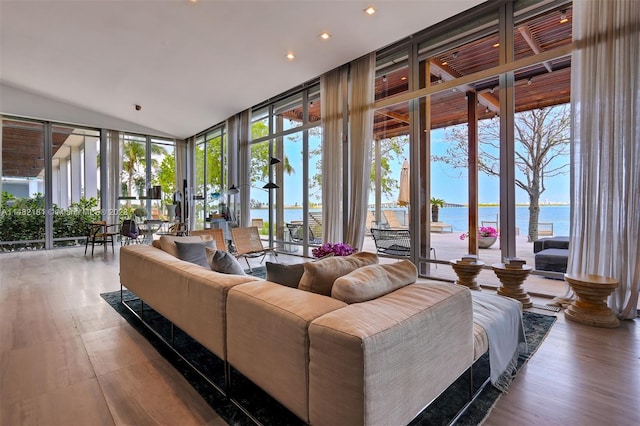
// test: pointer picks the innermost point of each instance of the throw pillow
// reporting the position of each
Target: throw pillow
(167, 242)
(224, 262)
(288, 275)
(319, 276)
(372, 281)
(194, 252)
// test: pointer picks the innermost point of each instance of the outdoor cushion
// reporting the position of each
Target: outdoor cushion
(554, 260)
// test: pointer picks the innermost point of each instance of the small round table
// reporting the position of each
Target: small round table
(467, 273)
(511, 283)
(591, 305)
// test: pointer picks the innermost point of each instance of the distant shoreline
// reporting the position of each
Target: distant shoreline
(461, 205)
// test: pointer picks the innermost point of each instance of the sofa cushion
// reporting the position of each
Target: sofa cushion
(288, 275)
(319, 276)
(167, 242)
(223, 262)
(372, 281)
(194, 252)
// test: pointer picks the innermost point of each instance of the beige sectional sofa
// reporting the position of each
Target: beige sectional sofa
(377, 362)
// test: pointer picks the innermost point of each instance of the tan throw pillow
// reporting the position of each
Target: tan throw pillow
(319, 276)
(167, 242)
(370, 282)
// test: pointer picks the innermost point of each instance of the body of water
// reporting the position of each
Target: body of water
(458, 217)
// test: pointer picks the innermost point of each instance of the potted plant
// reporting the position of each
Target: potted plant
(139, 213)
(436, 204)
(329, 249)
(487, 236)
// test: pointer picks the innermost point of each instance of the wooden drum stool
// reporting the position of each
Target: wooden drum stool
(467, 273)
(511, 281)
(591, 305)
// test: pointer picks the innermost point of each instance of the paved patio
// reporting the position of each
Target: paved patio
(448, 246)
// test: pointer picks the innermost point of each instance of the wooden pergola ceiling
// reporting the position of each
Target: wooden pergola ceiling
(23, 148)
(546, 84)
(543, 85)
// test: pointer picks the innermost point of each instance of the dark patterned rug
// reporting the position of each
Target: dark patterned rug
(270, 412)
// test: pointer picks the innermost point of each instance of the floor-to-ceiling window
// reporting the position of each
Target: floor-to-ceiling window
(285, 172)
(210, 183)
(22, 218)
(488, 136)
(75, 182)
(50, 184)
(146, 162)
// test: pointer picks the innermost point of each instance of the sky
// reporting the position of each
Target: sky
(447, 182)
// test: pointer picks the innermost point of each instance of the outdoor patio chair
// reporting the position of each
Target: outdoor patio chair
(394, 242)
(392, 219)
(296, 232)
(248, 244)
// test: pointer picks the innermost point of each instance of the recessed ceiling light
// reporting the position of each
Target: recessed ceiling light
(496, 45)
(444, 63)
(290, 56)
(325, 36)
(193, 1)
(370, 10)
(403, 78)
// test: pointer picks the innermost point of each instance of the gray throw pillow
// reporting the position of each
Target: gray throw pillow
(224, 262)
(194, 252)
(288, 275)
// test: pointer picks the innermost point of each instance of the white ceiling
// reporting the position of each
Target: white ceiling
(189, 65)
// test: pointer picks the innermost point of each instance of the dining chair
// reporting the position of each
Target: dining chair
(99, 233)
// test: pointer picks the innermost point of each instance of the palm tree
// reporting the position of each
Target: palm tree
(134, 163)
(436, 204)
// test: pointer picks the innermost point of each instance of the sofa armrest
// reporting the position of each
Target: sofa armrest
(190, 296)
(268, 338)
(382, 361)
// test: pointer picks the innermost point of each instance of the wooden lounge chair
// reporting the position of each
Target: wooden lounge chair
(216, 233)
(248, 244)
(315, 223)
(392, 219)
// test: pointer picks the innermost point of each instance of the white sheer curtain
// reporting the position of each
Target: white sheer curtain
(331, 110)
(605, 235)
(361, 130)
(244, 163)
(114, 159)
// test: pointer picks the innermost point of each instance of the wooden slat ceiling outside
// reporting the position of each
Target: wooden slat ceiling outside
(543, 85)
(23, 148)
(539, 86)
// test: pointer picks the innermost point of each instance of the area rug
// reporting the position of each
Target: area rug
(270, 412)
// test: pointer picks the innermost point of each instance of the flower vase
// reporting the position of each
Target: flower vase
(486, 242)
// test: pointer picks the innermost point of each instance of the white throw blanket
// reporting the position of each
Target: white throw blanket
(501, 319)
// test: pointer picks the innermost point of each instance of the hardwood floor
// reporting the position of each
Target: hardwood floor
(67, 358)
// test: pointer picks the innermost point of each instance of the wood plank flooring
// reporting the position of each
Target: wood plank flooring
(67, 358)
